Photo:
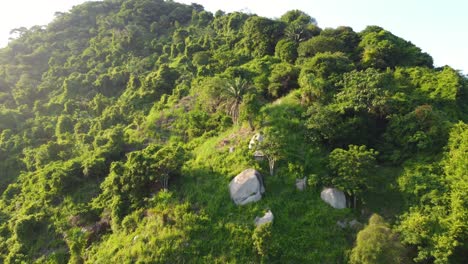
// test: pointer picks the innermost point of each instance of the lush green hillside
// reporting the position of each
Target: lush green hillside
(122, 123)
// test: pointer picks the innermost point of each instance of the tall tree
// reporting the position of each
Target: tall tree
(300, 26)
(272, 147)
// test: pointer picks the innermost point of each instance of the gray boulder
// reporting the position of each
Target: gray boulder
(246, 187)
(265, 219)
(334, 197)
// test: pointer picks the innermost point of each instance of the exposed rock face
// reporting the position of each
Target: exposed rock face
(265, 219)
(255, 139)
(334, 197)
(301, 183)
(246, 187)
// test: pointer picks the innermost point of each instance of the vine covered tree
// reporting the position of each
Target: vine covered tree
(351, 169)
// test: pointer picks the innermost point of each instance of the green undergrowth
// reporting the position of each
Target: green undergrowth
(304, 228)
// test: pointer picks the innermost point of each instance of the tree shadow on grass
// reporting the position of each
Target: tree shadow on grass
(385, 198)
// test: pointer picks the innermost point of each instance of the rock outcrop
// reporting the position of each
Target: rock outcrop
(334, 197)
(246, 187)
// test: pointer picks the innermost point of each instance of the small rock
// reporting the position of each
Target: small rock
(258, 155)
(256, 138)
(231, 149)
(301, 183)
(355, 224)
(341, 224)
(267, 218)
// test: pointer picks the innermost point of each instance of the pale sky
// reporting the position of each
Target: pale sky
(437, 27)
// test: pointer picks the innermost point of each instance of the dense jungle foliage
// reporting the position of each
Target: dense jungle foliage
(122, 123)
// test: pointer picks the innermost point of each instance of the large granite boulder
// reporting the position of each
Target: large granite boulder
(265, 219)
(334, 197)
(246, 187)
(254, 140)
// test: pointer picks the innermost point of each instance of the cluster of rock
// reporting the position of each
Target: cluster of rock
(247, 187)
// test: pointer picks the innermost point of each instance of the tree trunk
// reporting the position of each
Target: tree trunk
(165, 182)
(349, 199)
(271, 163)
(252, 128)
(235, 113)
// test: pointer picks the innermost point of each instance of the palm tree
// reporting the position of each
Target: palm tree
(233, 94)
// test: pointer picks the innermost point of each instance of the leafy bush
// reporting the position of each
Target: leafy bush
(377, 243)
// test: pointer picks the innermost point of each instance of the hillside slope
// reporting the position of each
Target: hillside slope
(122, 123)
